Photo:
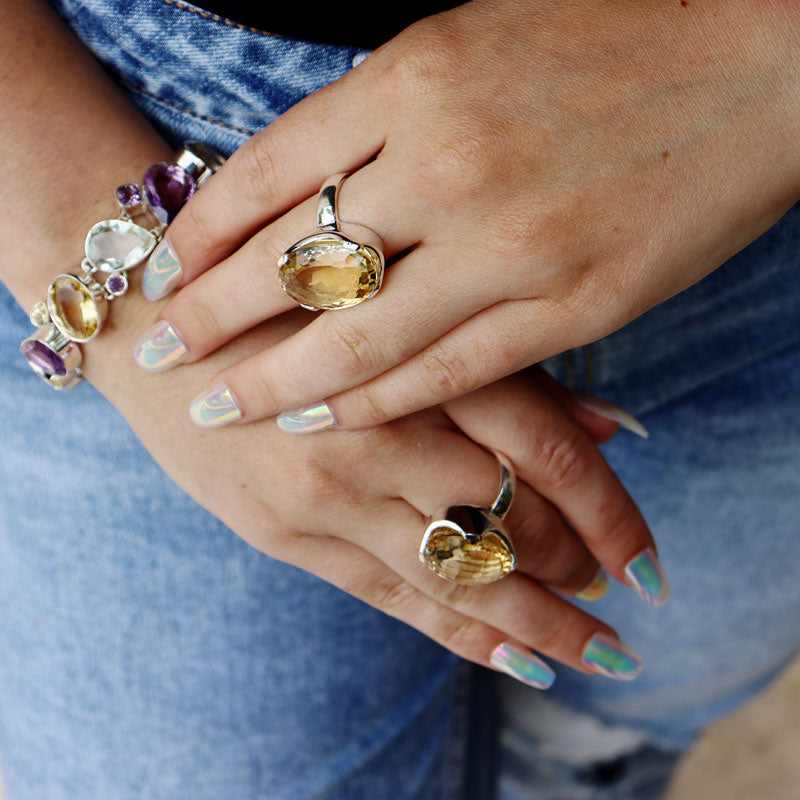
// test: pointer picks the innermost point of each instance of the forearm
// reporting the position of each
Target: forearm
(70, 137)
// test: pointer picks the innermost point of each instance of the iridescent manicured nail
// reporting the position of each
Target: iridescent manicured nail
(609, 411)
(596, 589)
(648, 578)
(522, 664)
(610, 657)
(160, 348)
(308, 419)
(214, 407)
(162, 273)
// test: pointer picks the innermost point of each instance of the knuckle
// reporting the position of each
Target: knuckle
(450, 594)
(461, 635)
(261, 385)
(447, 372)
(425, 55)
(537, 540)
(618, 532)
(195, 227)
(565, 460)
(462, 160)
(547, 632)
(371, 410)
(260, 169)
(354, 352)
(392, 596)
(195, 316)
(538, 230)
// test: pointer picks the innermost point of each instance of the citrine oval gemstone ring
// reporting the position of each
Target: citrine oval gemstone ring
(329, 270)
(469, 544)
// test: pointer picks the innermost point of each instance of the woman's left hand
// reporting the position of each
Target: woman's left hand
(541, 173)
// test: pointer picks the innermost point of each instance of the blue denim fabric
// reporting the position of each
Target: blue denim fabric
(146, 651)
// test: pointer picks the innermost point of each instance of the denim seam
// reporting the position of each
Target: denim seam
(223, 20)
(137, 87)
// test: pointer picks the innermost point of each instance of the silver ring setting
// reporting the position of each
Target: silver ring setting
(469, 544)
(329, 270)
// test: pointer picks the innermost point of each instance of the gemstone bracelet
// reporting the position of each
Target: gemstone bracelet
(77, 305)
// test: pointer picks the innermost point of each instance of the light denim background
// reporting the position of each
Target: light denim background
(147, 652)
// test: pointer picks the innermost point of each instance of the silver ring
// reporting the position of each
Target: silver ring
(469, 544)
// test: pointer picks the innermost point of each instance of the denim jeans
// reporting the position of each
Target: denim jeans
(148, 652)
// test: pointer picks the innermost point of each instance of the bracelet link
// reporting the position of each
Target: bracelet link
(77, 306)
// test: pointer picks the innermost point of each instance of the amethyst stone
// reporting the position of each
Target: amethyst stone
(117, 284)
(167, 187)
(129, 195)
(40, 355)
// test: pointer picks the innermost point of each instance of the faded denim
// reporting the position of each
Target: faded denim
(148, 652)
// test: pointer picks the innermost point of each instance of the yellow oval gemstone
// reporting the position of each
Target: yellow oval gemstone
(327, 271)
(73, 308)
(452, 555)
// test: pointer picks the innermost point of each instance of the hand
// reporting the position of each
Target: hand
(541, 173)
(363, 494)
(350, 507)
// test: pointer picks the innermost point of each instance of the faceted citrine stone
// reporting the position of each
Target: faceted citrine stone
(452, 556)
(468, 546)
(74, 310)
(328, 271)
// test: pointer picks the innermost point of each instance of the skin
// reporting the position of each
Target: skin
(627, 150)
(324, 503)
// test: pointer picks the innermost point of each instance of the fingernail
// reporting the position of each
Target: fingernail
(162, 273)
(609, 411)
(596, 589)
(214, 407)
(610, 657)
(522, 664)
(160, 348)
(308, 419)
(648, 578)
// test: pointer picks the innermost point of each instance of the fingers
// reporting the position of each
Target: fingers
(244, 289)
(557, 459)
(446, 469)
(516, 604)
(356, 344)
(276, 169)
(364, 576)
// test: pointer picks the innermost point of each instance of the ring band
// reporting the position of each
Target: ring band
(329, 270)
(469, 544)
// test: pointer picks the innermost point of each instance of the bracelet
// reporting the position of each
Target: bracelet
(77, 305)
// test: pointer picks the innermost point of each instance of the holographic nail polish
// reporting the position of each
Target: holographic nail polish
(647, 577)
(308, 419)
(609, 411)
(160, 348)
(596, 589)
(162, 273)
(522, 664)
(610, 657)
(214, 407)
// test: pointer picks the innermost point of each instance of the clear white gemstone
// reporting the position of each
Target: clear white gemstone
(117, 244)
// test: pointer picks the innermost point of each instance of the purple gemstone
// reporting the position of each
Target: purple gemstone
(129, 195)
(116, 284)
(167, 187)
(43, 357)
